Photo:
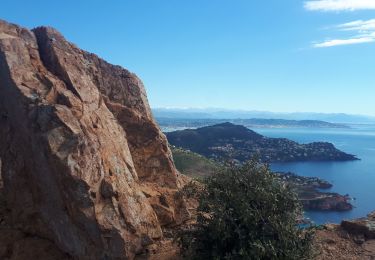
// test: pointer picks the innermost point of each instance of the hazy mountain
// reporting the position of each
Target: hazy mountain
(217, 113)
(169, 124)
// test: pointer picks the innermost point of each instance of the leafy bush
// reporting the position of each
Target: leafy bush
(245, 213)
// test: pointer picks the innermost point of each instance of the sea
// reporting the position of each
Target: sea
(356, 178)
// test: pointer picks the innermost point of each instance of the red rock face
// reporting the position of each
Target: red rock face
(80, 148)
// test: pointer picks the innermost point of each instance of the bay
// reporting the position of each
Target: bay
(356, 178)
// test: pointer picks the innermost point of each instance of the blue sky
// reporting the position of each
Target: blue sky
(282, 56)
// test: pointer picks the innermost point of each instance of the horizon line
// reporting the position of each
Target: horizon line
(263, 111)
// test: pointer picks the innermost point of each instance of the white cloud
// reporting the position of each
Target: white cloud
(364, 32)
(339, 5)
(360, 26)
(338, 42)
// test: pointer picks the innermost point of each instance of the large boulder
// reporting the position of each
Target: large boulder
(364, 227)
(79, 147)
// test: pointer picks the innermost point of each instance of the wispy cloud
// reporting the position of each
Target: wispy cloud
(338, 42)
(339, 5)
(361, 26)
(364, 32)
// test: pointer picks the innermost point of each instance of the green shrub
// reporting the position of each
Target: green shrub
(245, 213)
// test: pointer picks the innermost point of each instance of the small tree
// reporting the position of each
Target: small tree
(245, 213)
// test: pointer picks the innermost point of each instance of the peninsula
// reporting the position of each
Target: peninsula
(229, 141)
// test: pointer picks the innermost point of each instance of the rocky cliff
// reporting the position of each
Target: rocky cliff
(84, 165)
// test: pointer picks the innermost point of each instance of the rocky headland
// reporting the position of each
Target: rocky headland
(309, 193)
(228, 141)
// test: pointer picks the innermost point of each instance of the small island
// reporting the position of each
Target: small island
(228, 141)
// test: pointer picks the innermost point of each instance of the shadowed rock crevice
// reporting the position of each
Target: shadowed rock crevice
(49, 58)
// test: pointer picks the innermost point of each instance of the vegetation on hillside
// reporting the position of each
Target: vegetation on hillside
(193, 164)
(245, 213)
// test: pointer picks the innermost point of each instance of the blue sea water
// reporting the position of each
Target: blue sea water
(356, 178)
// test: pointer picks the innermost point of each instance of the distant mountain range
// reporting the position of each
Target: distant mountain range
(229, 141)
(172, 124)
(217, 113)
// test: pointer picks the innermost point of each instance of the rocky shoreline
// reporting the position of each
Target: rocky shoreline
(308, 190)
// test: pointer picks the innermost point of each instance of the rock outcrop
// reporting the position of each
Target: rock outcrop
(353, 239)
(363, 227)
(84, 165)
